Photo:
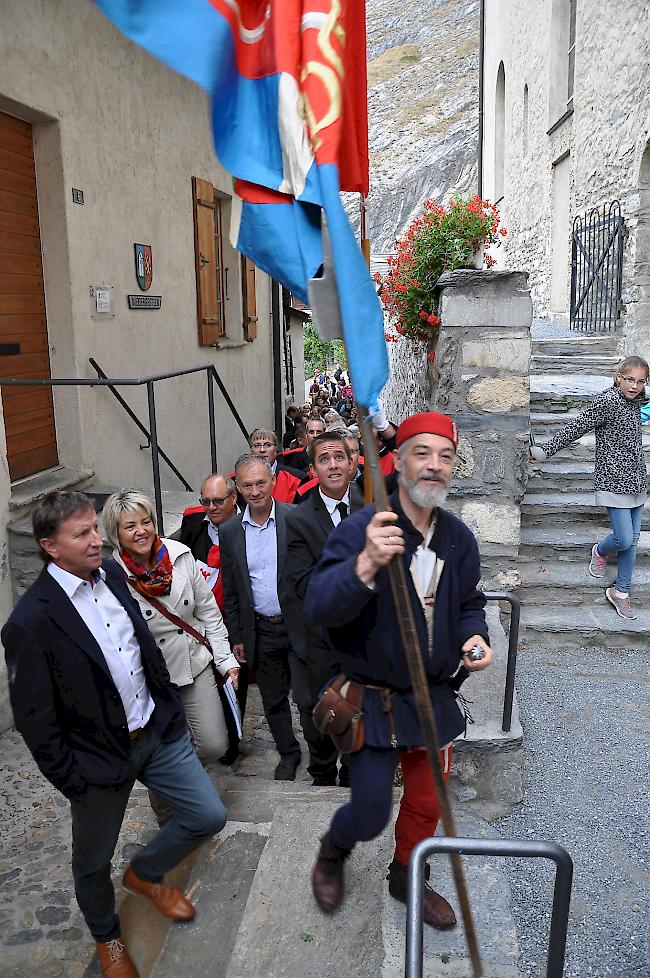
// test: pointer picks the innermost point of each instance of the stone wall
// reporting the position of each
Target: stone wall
(605, 138)
(481, 380)
(409, 385)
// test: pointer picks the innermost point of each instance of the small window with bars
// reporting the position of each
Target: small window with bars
(571, 67)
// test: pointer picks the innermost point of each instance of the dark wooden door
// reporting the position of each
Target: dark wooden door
(28, 411)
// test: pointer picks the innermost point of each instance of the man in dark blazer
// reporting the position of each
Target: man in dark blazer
(260, 608)
(308, 527)
(200, 532)
(93, 700)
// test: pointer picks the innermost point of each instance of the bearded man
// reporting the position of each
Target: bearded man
(349, 594)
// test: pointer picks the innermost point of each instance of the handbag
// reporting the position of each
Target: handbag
(338, 714)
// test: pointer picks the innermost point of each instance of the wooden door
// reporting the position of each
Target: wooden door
(28, 411)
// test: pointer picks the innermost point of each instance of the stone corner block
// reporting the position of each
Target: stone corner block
(498, 395)
(490, 522)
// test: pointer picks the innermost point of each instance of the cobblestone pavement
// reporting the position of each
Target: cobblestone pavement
(585, 720)
(42, 932)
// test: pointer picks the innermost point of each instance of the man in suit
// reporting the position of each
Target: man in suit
(298, 458)
(308, 527)
(260, 608)
(93, 700)
(200, 532)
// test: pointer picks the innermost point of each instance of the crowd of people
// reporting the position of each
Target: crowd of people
(137, 667)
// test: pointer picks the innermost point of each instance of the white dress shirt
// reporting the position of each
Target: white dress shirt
(262, 560)
(423, 564)
(331, 505)
(113, 631)
(213, 531)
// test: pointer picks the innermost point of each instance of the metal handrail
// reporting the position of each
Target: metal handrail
(513, 642)
(212, 376)
(489, 847)
(131, 413)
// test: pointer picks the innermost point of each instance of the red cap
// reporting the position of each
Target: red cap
(431, 423)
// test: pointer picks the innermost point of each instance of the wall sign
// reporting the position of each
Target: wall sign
(144, 301)
(143, 266)
(77, 196)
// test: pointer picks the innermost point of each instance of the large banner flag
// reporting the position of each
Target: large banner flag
(288, 84)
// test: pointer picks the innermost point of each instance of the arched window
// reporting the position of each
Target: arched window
(499, 132)
(524, 122)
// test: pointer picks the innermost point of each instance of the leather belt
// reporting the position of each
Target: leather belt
(273, 619)
(134, 734)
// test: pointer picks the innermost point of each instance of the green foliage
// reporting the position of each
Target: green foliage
(319, 355)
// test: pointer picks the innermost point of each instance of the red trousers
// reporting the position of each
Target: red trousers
(418, 810)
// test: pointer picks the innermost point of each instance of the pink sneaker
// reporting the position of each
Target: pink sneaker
(597, 564)
(621, 603)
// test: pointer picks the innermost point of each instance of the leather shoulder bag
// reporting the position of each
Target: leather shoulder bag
(338, 714)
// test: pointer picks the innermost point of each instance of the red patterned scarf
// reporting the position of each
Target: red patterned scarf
(153, 581)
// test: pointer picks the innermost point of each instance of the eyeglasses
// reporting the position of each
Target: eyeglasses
(633, 381)
(206, 501)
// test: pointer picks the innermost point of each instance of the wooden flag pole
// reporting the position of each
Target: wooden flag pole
(427, 720)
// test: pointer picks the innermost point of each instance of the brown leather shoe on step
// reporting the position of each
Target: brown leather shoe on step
(170, 902)
(327, 876)
(436, 912)
(114, 959)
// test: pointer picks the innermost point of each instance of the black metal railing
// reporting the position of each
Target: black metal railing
(513, 642)
(151, 433)
(489, 847)
(597, 243)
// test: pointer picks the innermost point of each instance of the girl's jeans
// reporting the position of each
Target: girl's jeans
(626, 526)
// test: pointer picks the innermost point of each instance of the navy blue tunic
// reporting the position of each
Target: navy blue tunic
(362, 624)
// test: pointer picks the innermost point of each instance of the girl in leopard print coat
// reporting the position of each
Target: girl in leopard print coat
(620, 478)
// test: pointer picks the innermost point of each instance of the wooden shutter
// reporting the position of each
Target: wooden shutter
(208, 253)
(249, 299)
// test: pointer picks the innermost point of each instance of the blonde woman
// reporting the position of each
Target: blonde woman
(162, 574)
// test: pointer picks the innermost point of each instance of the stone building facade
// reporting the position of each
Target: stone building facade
(102, 148)
(567, 120)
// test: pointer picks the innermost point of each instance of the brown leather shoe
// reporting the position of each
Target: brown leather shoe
(170, 902)
(435, 910)
(327, 876)
(114, 959)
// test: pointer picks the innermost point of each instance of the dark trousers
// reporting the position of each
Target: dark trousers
(308, 681)
(174, 772)
(273, 662)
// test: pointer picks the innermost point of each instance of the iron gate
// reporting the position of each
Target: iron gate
(597, 243)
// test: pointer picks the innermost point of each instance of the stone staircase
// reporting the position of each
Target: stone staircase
(561, 603)
(24, 558)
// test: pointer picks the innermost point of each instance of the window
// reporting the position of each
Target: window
(208, 250)
(562, 61)
(499, 133)
(571, 67)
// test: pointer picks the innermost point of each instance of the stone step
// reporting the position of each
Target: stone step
(562, 391)
(571, 544)
(27, 492)
(548, 363)
(283, 933)
(545, 424)
(565, 475)
(593, 626)
(604, 344)
(554, 582)
(550, 508)
(24, 555)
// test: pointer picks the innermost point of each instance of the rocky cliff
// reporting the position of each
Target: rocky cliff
(423, 108)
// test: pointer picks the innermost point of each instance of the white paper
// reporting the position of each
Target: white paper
(231, 696)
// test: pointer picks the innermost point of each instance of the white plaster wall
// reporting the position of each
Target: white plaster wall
(606, 135)
(130, 133)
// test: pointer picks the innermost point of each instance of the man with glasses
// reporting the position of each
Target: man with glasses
(200, 532)
(287, 479)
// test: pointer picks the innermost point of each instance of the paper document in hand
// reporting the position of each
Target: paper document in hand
(231, 696)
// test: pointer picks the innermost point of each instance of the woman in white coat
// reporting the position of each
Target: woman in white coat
(164, 572)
